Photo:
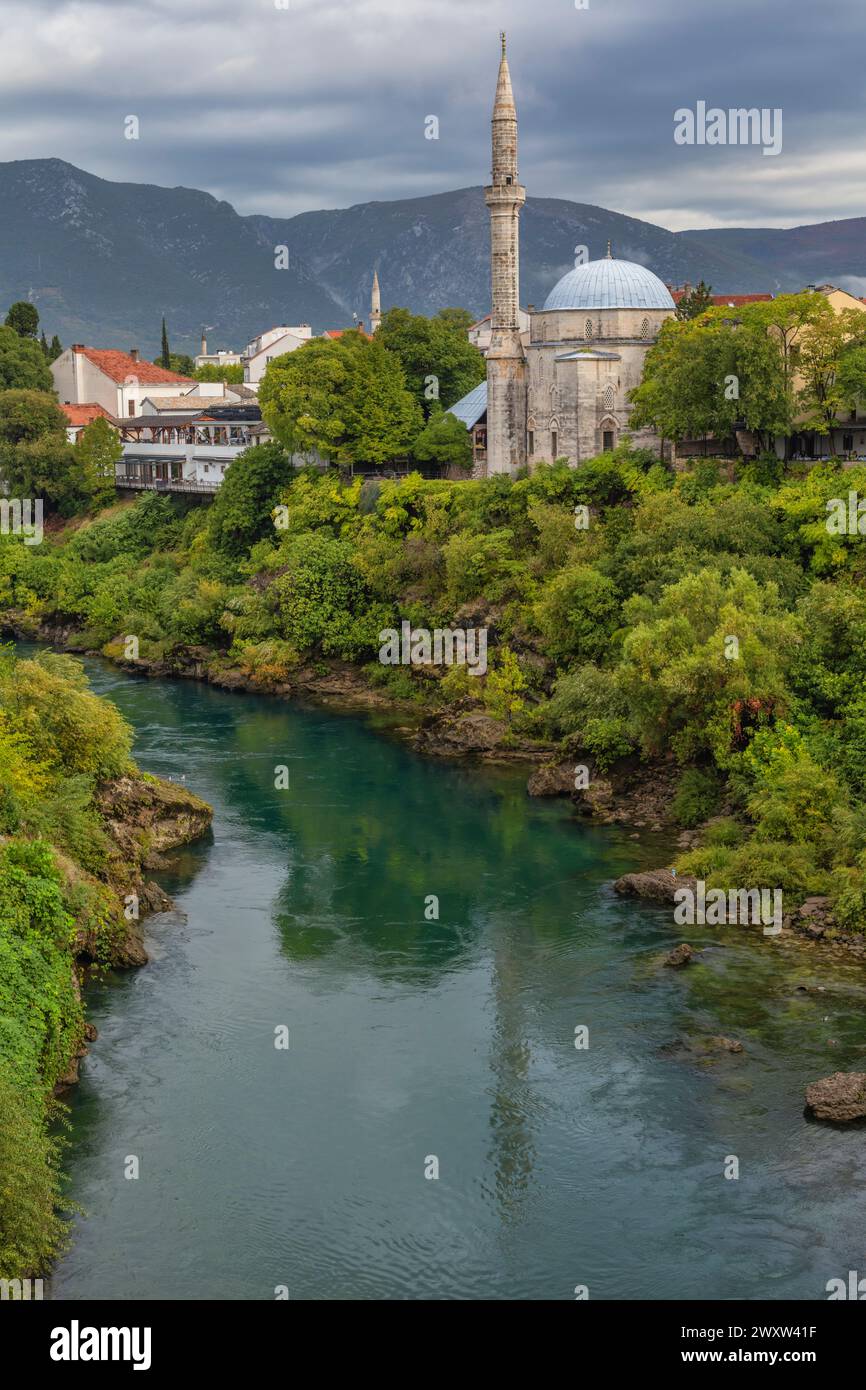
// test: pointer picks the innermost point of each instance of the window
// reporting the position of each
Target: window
(847, 443)
(554, 444)
(587, 329)
(607, 441)
(531, 445)
(609, 397)
(645, 329)
(130, 409)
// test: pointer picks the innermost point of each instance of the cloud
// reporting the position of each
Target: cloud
(323, 103)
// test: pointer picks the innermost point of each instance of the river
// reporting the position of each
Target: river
(414, 1043)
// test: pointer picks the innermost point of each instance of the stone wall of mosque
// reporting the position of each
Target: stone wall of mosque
(577, 408)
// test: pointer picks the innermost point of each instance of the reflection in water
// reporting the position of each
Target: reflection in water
(452, 1038)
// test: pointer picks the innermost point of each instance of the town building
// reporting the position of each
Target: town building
(222, 358)
(80, 416)
(275, 342)
(118, 381)
(187, 452)
(481, 332)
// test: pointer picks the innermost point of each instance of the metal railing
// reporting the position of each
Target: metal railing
(166, 485)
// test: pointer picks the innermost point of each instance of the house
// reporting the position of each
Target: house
(191, 452)
(118, 381)
(480, 332)
(847, 435)
(727, 301)
(79, 416)
(274, 343)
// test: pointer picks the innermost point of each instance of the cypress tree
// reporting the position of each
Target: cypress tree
(166, 355)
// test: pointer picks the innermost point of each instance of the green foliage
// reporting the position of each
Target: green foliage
(231, 372)
(504, 686)
(444, 440)
(23, 317)
(696, 798)
(56, 741)
(344, 399)
(439, 362)
(23, 366)
(241, 513)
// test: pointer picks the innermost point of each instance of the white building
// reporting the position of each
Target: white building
(274, 343)
(481, 332)
(223, 358)
(187, 452)
(118, 381)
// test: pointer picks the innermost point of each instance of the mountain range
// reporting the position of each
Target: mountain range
(103, 262)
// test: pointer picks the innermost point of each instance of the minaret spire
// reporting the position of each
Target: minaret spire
(506, 360)
(375, 304)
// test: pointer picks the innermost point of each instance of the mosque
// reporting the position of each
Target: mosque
(563, 393)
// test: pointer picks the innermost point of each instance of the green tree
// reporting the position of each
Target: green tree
(55, 349)
(99, 449)
(343, 398)
(27, 415)
(23, 317)
(179, 362)
(232, 372)
(439, 362)
(444, 440)
(22, 363)
(165, 354)
(241, 513)
(37, 460)
(695, 302)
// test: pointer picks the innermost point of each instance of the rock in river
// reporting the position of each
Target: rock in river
(840, 1097)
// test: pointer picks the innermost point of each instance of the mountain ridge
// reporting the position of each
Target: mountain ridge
(104, 261)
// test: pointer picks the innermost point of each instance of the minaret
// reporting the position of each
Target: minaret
(375, 304)
(506, 360)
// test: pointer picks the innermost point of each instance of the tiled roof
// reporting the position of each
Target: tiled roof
(118, 366)
(83, 414)
(191, 402)
(732, 301)
(338, 332)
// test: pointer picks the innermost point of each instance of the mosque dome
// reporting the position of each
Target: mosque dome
(609, 284)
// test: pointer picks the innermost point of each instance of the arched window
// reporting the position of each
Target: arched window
(645, 329)
(587, 329)
(554, 439)
(609, 397)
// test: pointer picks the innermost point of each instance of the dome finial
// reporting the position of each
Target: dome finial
(502, 37)
(609, 251)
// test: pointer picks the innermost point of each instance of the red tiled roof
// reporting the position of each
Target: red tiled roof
(119, 365)
(723, 299)
(338, 332)
(83, 414)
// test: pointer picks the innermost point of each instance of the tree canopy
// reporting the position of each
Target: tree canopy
(440, 363)
(345, 398)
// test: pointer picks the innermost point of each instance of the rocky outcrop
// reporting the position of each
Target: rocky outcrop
(552, 779)
(659, 885)
(680, 956)
(471, 734)
(840, 1098)
(633, 793)
(145, 816)
(814, 917)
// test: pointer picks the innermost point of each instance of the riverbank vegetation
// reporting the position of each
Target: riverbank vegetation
(635, 615)
(63, 903)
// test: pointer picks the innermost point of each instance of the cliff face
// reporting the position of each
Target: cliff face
(144, 817)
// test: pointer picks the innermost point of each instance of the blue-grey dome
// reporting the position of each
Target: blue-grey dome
(609, 284)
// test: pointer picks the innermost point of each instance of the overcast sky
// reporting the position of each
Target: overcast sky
(323, 103)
